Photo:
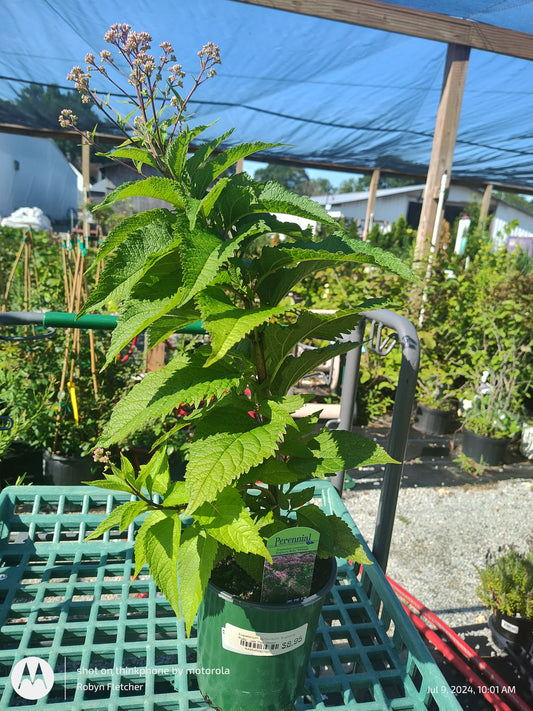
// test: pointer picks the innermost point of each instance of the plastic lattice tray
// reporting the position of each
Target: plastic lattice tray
(114, 643)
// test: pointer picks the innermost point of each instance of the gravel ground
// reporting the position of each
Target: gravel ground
(442, 534)
(446, 521)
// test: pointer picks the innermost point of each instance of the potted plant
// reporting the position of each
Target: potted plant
(506, 587)
(490, 412)
(249, 458)
(435, 397)
(22, 402)
(75, 408)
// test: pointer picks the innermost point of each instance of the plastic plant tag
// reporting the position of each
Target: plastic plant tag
(288, 578)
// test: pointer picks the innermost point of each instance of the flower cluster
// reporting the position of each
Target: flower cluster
(154, 87)
(100, 455)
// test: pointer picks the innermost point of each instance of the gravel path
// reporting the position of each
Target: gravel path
(442, 534)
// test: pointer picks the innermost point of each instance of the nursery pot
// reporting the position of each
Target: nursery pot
(66, 471)
(432, 421)
(254, 655)
(518, 630)
(490, 450)
(18, 460)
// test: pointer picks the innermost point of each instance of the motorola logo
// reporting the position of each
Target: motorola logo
(32, 678)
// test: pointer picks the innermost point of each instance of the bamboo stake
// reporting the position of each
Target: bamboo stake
(12, 273)
(92, 349)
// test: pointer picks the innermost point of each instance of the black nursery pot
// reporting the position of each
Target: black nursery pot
(18, 460)
(488, 450)
(518, 630)
(67, 471)
(431, 421)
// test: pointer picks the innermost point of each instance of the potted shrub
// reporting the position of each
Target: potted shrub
(69, 423)
(199, 259)
(435, 397)
(506, 587)
(490, 417)
(22, 401)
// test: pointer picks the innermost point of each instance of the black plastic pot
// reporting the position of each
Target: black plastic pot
(254, 655)
(486, 450)
(431, 421)
(20, 459)
(518, 630)
(514, 635)
(67, 471)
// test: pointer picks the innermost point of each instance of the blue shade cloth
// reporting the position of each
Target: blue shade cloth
(338, 95)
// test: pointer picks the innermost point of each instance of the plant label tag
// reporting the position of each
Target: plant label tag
(262, 644)
(288, 578)
(513, 629)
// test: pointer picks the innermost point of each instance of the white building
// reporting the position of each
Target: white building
(407, 201)
(35, 173)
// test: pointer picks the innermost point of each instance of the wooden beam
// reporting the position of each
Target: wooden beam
(371, 204)
(409, 21)
(443, 146)
(59, 134)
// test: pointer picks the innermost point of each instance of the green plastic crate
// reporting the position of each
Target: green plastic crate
(115, 645)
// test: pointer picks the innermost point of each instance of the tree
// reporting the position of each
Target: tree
(516, 199)
(39, 107)
(362, 184)
(291, 177)
(295, 179)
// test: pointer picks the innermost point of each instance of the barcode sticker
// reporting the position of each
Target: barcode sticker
(262, 644)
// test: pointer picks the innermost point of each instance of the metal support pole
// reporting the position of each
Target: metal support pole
(350, 382)
(401, 417)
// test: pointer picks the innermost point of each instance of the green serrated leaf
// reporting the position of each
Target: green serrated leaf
(122, 516)
(112, 482)
(339, 247)
(139, 550)
(147, 304)
(135, 154)
(130, 225)
(176, 494)
(294, 369)
(222, 161)
(126, 471)
(130, 513)
(274, 472)
(178, 148)
(228, 443)
(301, 497)
(228, 325)
(339, 450)
(276, 198)
(182, 380)
(202, 153)
(155, 474)
(282, 267)
(153, 187)
(133, 258)
(228, 521)
(280, 341)
(172, 322)
(196, 557)
(161, 543)
(202, 254)
(209, 201)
